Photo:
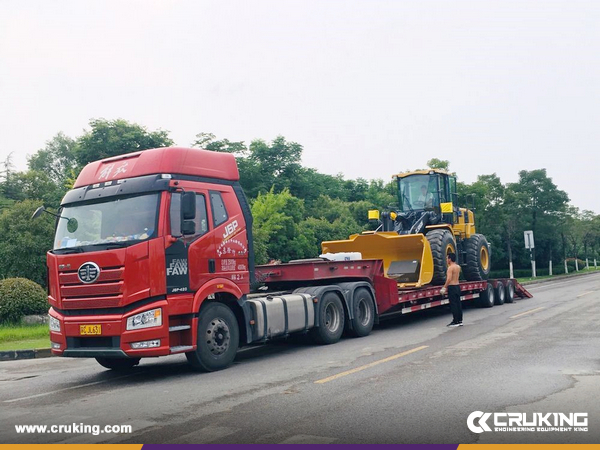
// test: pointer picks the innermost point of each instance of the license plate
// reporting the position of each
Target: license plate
(90, 330)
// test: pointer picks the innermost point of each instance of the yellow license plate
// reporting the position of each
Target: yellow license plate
(90, 330)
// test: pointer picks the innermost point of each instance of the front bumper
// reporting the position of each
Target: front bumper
(115, 340)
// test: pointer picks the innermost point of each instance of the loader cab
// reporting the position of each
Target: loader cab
(426, 190)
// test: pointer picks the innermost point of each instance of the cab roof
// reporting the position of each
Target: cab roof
(167, 160)
(421, 172)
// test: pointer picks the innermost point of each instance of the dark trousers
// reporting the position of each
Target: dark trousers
(455, 304)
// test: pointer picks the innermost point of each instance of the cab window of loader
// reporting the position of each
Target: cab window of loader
(418, 192)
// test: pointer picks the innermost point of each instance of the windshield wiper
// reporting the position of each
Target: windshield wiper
(67, 250)
(110, 245)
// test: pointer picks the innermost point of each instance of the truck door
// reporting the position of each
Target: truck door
(231, 239)
(196, 248)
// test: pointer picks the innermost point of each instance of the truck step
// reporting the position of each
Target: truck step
(179, 328)
(181, 348)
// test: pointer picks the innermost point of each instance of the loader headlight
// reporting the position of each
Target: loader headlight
(147, 319)
(54, 324)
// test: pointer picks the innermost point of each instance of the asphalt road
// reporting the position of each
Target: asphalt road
(411, 381)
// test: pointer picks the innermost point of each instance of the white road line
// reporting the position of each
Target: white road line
(368, 366)
(44, 394)
(528, 312)
(585, 293)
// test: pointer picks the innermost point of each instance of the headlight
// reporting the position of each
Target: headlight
(148, 319)
(54, 324)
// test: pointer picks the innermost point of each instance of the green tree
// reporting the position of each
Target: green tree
(24, 242)
(108, 138)
(539, 202)
(56, 160)
(435, 163)
(276, 230)
(208, 141)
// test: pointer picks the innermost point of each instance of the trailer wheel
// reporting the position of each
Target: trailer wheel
(500, 294)
(331, 320)
(118, 363)
(510, 291)
(364, 313)
(477, 263)
(486, 297)
(441, 243)
(218, 339)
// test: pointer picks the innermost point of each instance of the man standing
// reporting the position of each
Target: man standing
(453, 289)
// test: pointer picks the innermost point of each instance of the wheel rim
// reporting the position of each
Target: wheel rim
(449, 249)
(364, 312)
(332, 318)
(218, 336)
(484, 257)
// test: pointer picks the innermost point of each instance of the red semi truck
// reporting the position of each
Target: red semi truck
(153, 256)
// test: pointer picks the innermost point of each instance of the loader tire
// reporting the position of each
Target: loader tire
(477, 258)
(441, 242)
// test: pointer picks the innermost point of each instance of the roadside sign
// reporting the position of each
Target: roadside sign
(529, 244)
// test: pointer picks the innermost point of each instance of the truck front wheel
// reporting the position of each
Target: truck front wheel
(218, 339)
(331, 320)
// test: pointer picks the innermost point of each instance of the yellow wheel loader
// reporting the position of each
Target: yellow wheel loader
(413, 241)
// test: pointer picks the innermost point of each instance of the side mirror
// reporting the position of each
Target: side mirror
(188, 227)
(38, 212)
(188, 206)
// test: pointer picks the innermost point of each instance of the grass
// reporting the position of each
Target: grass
(545, 277)
(24, 337)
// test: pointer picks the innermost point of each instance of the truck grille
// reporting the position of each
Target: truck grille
(107, 291)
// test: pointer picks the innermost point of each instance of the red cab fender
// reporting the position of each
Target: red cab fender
(215, 286)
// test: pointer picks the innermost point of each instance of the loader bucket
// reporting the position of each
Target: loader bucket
(406, 259)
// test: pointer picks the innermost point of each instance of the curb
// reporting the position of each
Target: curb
(558, 278)
(13, 355)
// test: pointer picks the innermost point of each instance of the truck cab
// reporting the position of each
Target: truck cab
(142, 240)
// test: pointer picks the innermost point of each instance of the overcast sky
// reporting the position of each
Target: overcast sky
(369, 88)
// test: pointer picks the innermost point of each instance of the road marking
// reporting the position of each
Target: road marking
(43, 394)
(368, 366)
(585, 293)
(528, 312)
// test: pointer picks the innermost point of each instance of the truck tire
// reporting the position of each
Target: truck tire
(510, 292)
(218, 339)
(486, 297)
(477, 260)
(363, 313)
(331, 320)
(500, 294)
(118, 363)
(441, 242)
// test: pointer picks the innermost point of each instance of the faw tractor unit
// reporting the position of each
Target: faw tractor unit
(153, 256)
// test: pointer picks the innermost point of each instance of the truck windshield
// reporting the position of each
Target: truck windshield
(116, 221)
(418, 192)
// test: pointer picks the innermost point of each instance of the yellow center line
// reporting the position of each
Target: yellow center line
(528, 312)
(585, 293)
(368, 366)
